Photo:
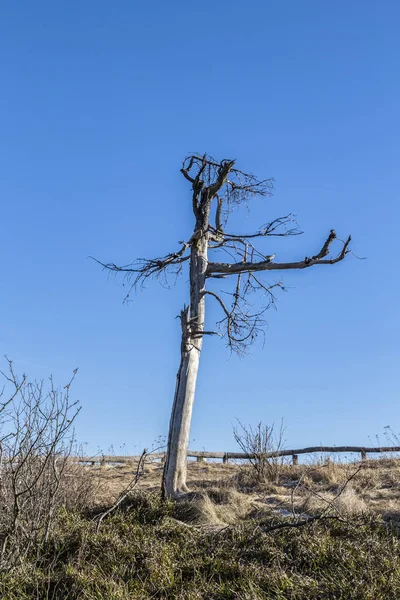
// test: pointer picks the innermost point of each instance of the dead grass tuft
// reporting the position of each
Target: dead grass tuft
(198, 510)
(350, 502)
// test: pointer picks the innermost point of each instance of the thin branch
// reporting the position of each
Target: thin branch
(324, 516)
(270, 229)
(237, 188)
(142, 268)
(241, 324)
(185, 171)
(219, 300)
(125, 494)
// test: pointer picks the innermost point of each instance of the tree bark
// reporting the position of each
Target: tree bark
(192, 323)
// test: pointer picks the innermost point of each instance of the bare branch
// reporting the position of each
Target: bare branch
(196, 181)
(219, 300)
(210, 177)
(223, 171)
(185, 170)
(242, 324)
(325, 248)
(272, 229)
(239, 327)
(143, 268)
(218, 224)
(238, 180)
(138, 474)
(268, 265)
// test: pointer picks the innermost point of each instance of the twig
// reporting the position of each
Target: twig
(127, 491)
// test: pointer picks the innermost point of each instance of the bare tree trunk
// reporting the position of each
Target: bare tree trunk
(192, 322)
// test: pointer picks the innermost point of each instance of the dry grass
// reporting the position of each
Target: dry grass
(306, 488)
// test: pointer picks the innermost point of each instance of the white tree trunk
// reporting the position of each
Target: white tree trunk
(192, 322)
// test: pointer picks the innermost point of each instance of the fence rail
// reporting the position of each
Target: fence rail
(201, 455)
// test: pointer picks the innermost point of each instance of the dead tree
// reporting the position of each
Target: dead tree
(218, 186)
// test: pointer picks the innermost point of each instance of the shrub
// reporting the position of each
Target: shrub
(260, 443)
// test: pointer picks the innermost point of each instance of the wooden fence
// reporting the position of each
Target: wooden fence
(226, 456)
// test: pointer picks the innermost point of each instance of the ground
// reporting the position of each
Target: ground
(369, 486)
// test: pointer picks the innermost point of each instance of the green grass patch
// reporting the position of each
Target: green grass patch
(143, 551)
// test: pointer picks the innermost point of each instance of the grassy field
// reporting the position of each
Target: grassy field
(317, 531)
(374, 486)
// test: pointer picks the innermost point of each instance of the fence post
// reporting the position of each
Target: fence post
(295, 459)
(225, 458)
(363, 455)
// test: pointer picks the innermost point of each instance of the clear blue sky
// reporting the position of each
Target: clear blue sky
(99, 104)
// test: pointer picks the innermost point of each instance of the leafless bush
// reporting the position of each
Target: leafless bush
(36, 437)
(80, 486)
(260, 443)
